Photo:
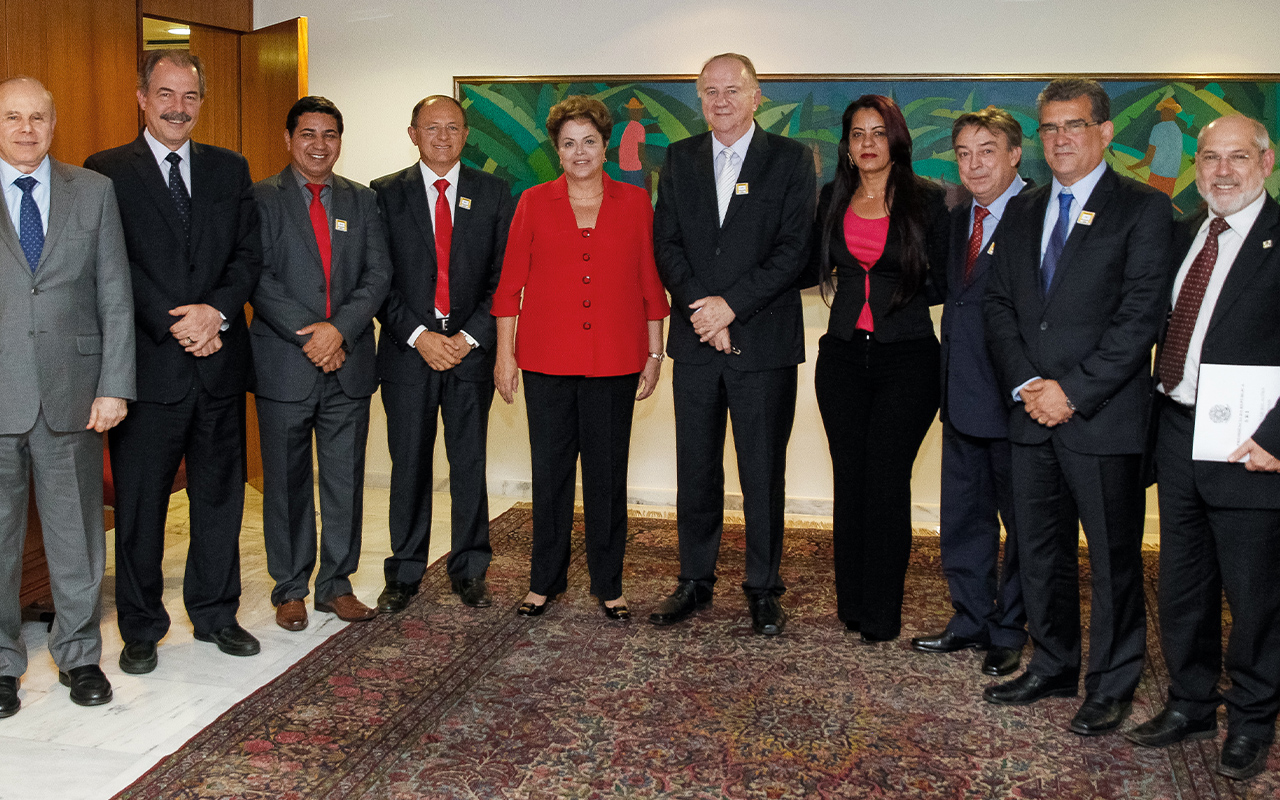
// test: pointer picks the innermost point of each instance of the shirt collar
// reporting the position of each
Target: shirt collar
(9, 173)
(1082, 188)
(1242, 221)
(161, 152)
(302, 181)
(996, 208)
(429, 177)
(739, 147)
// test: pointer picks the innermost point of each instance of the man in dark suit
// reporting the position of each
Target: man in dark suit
(1219, 521)
(731, 234)
(325, 274)
(191, 229)
(66, 354)
(976, 471)
(1072, 308)
(447, 226)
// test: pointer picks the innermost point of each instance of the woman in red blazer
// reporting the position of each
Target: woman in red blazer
(581, 254)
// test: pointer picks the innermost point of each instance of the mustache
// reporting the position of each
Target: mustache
(175, 116)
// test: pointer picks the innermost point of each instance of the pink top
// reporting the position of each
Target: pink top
(865, 239)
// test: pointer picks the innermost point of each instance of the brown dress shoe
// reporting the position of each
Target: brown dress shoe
(348, 608)
(292, 615)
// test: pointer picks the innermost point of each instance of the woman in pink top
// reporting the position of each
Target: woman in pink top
(880, 256)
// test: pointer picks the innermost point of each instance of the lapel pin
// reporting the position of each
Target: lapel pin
(741, 188)
(1086, 218)
(464, 202)
(991, 249)
(340, 224)
(1266, 245)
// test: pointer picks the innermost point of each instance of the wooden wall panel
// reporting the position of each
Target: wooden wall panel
(86, 53)
(236, 15)
(273, 77)
(220, 115)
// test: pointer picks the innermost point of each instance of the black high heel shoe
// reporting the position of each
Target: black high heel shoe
(618, 612)
(528, 609)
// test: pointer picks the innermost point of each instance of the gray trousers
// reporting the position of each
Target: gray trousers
(67, 468)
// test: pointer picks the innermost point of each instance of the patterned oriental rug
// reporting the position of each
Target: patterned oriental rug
(442, 701)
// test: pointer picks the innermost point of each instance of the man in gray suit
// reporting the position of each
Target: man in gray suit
(67, 357)
(325, 274)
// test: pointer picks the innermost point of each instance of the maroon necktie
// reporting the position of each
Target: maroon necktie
(444, 238)
(975, 241)
(320, 224)
(1173, 356)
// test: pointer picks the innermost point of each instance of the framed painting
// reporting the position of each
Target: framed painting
(1157, 118)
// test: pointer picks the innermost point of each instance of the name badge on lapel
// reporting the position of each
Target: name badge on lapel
(1085, 218)
(991, 248)
(1266, 245)
(464, 202)
(340, 225)
(742, 188)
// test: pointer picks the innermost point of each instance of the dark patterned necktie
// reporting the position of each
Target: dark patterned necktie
(1173, 355)
(975, 242)
(1057, 240)
(31, 226)
(178, 191)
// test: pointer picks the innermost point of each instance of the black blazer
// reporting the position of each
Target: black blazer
(1094, 331)
(291, 293)
(1242, 330)
(971, 398)
(219, 267)
(475, 262)
(912, 321)
(752, 261)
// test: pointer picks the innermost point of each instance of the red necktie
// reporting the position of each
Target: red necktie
(975, 241)
(1173, 355)
(444, 238)
(320, 224)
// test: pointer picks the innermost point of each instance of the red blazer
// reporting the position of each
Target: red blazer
(588, 293)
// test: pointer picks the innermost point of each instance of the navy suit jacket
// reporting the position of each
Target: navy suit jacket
(971, 398)
(1094, 329)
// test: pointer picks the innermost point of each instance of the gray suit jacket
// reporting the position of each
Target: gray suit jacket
(290, 293)
(66, 332)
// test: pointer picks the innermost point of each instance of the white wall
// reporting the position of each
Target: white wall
(375, 60)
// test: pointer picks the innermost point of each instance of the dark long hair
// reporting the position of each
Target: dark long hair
(903, 197)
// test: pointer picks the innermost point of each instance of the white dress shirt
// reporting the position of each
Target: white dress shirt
(429, 177)
(13, 193)
(161, 152)
(739, 149)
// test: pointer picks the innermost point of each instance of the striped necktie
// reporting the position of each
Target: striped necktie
(725, 181)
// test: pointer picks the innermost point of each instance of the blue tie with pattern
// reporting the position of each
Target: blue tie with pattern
(31, 226)
(178, 191)
(1057, 239)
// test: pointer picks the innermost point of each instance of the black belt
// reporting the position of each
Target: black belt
(1186, 412)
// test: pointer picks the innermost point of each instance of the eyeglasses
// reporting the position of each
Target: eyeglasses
(1071, 127)
(1213, 159)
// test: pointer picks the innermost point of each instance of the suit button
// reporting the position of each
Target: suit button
(959, 302)
(717, 251)
(586, 326)
(36, 290)
(586, 304)
(1044, 326)
(31, 334)
(586, 234)
(586, 256)
(586, 279)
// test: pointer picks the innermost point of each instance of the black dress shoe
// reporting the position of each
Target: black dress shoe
(1099, 714)
(473, 592)
(395, 598)
(1242, 757)
(1027, 688)
(767, 616)
(528, 609)
(687, 598)
(1170, 727)
(945, 642)
(89, 686)
(9, 702)
(138, 658)
(233, 640)
(1001, 661)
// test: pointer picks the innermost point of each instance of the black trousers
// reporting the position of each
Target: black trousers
(762, 406)
(986, 593)
(1056, 491)
(341, 427)
(1204, 551)
(146, 449)
(572, 416)
(412, 414)
(877, 402)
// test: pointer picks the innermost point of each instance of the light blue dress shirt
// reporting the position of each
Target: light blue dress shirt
(13, 194)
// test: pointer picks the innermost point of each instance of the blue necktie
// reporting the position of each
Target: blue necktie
(31, 226)
(1057, 239)
(178, 191)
